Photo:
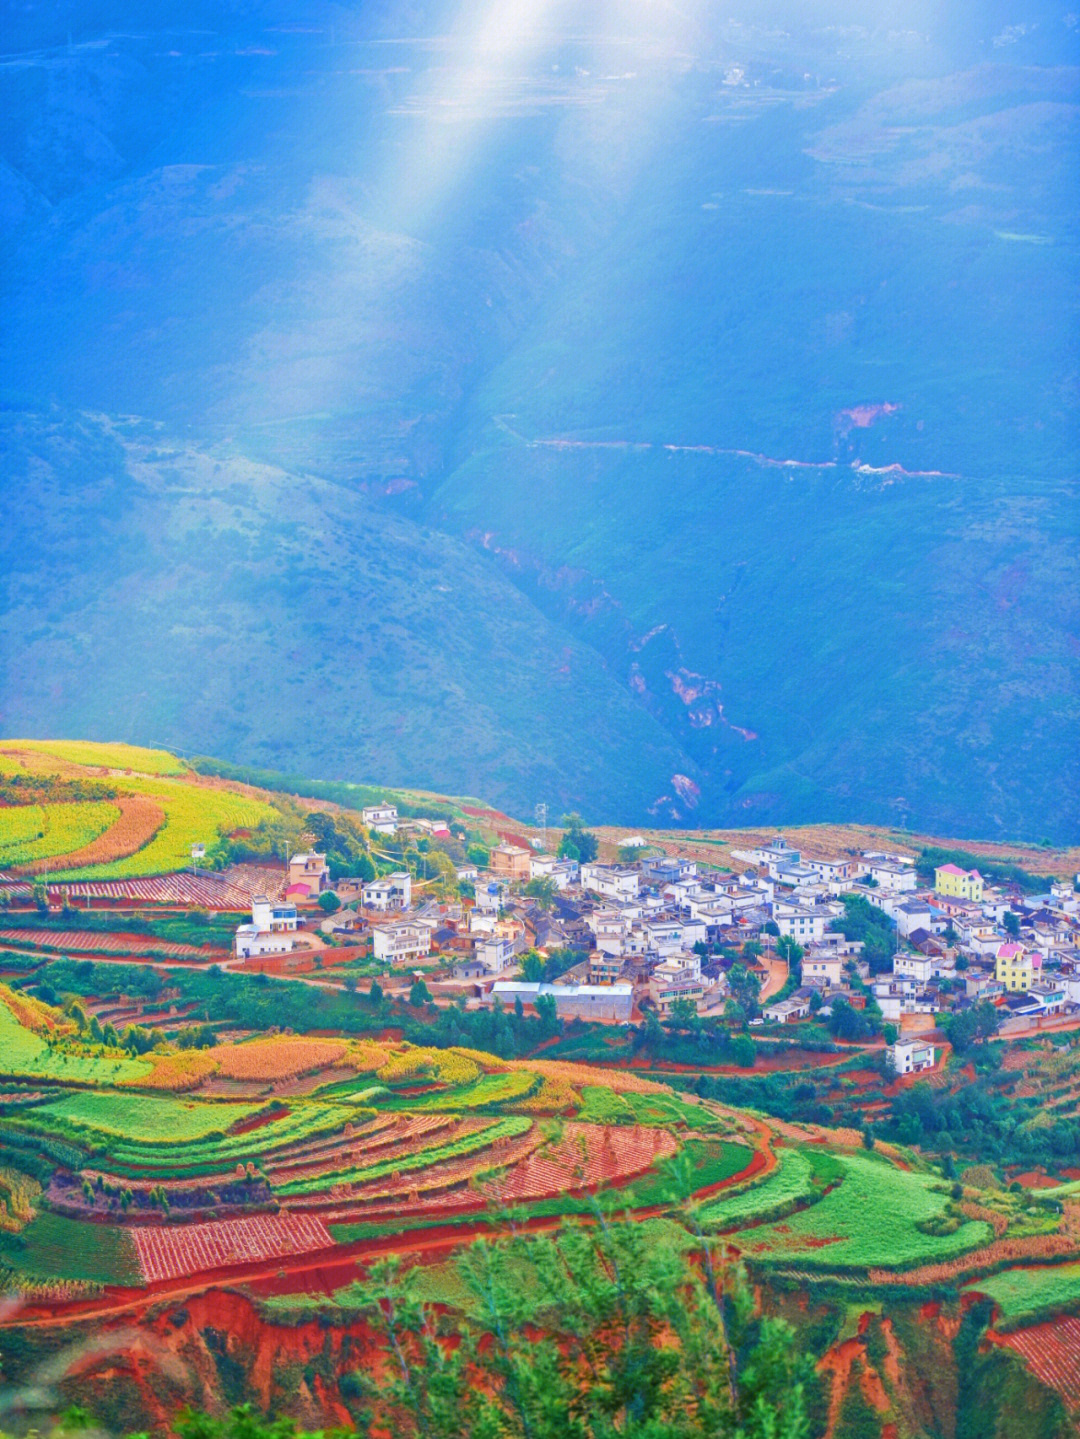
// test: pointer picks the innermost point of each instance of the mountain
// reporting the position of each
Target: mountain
(673, 417)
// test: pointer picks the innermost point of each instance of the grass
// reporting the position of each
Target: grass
(869, 1220)
(96, 755)
(1024, 1291)
(54, 1247)
(145, 1118)
(39, 831)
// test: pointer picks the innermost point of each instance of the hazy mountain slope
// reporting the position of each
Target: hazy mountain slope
(481, 274)
(165, 593)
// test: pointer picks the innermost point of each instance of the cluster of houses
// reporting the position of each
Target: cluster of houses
(649, 933)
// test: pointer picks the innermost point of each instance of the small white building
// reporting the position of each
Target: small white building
(572, 1001)
(275, 916)
(272, 922)
(380, 818)
(392, 892)
(910, 1056)
(401, 942)
(251, 942)
(613, 881)
(494, 952)
(489, 895)
(919, 967)
(893, 875)
(787, 1011)
(798, 922)
(822, 970)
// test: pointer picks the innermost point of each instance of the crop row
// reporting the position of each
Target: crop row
(194, 814)
(480, 1138)
(38, 831)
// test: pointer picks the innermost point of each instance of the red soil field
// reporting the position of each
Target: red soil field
(87, 942)
(171, 1252)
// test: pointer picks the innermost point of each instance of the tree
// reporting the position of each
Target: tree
(683, 1016)
(577, 843)
(744, 988)
(542, 890)
(479, 855)
(547, 1012)
(375, 993)
(419, 994)
(595, 1332)
(1011, 923)
(329, 902)
(532, 967)
(743, 1051)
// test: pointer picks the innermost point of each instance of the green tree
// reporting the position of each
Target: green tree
(532, 967)
(577, 842)
(419, 994)
(1011, 923)
(604, 1331)
(329, 902)
(542, 890)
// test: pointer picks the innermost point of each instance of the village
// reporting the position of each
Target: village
(649, 932)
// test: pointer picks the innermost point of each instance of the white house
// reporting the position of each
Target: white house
(267, 933)
(275, 916)
(919, 967)
(821, 969)
(392, 892)
(892, 874)
(801, 924)
(382, 818)
(572, 1001)
(250, 942)
(613, 881)
(787, 1011)
(494, 952)
(401, 942)
(909, 1056)
(489, 895)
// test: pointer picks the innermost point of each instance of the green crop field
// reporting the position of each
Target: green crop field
(1025, 1291)
(468, 1144)
(145, 1117)
(54, 1247)
(791, 1179)
(870, 1219)
(96, 755)
(38, 831)
(489, 1089)
(22, 1052)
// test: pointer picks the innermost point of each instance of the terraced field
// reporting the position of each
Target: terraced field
(158, 812)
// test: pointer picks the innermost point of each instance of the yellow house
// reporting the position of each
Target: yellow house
(1015, 968)
(960, 883)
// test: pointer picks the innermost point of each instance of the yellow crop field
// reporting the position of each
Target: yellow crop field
(174, 1073)
(194, 814)
(30, 832)
(95, 755)
(282, 1057)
